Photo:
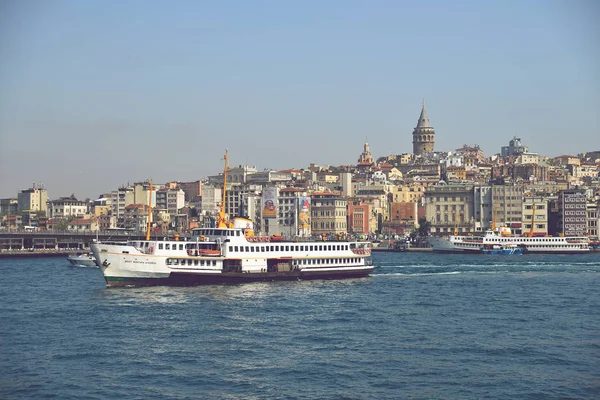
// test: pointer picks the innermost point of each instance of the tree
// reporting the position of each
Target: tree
(424, 227)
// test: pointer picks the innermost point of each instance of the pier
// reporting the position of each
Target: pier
(20, 243)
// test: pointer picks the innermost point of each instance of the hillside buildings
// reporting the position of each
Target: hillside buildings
(460, 191)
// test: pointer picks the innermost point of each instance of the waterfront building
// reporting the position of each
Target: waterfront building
(572, 212)
(33, 199)
(535, 216)
(507, 206)
(328, 213)
(293, 213)
(404, 216)
(482, 208)
(359, 213)
(83, 224)
(9, 206)
(423, 135)
(449, 208)
(66, 207)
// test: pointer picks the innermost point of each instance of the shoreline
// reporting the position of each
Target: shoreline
(34, 254)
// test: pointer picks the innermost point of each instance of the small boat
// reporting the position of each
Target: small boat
(82, 260)
(508, 248)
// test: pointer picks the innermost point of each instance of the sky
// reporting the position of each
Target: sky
(97, 94)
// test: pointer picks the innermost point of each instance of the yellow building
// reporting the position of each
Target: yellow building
(535, 209)
(33, 199)
(408, 193)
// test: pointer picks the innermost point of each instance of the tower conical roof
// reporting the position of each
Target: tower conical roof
(423, 120)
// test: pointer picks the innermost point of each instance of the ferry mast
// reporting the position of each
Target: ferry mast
(222, 222)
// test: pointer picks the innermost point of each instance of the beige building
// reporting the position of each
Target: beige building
(404, 158)
(567, 160)
(328, 213)
(449, 208)
(33, 199)
(507, 206)
(67, 207)
(408, 193)
(535, 216)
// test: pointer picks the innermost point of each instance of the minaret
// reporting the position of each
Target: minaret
(423, 135)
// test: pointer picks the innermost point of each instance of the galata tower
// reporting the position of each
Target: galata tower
(423, 135)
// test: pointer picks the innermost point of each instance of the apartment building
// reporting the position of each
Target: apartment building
(593, 219)
(449, 208)
(66, 207)
(408, 193)
(535, 216)
(9, 206)
(170, 199)
(328, 213)
(33, 199)
(572, 212)
(507, 207)
(358, 217)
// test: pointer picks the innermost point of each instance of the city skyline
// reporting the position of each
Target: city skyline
(99, 94)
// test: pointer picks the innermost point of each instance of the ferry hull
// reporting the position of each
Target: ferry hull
(194, 279)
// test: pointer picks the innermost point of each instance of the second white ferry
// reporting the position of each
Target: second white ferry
(529, 244)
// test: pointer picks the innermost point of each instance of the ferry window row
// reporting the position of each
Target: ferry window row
(299, 248)
(196, 262)
(216, 232)
(334, 261)
(171, 246)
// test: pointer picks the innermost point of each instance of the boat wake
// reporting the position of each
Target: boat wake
(431, 269)
(83, 266)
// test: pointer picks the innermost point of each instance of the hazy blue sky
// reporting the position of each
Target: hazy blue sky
(95, 94)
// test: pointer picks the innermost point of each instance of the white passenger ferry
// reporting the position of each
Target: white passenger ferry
(229, 253)
(223, 255)
(475, 244)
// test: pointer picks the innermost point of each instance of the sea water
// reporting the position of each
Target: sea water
(423, 326)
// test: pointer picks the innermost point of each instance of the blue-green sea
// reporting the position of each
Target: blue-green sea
(423, 326)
